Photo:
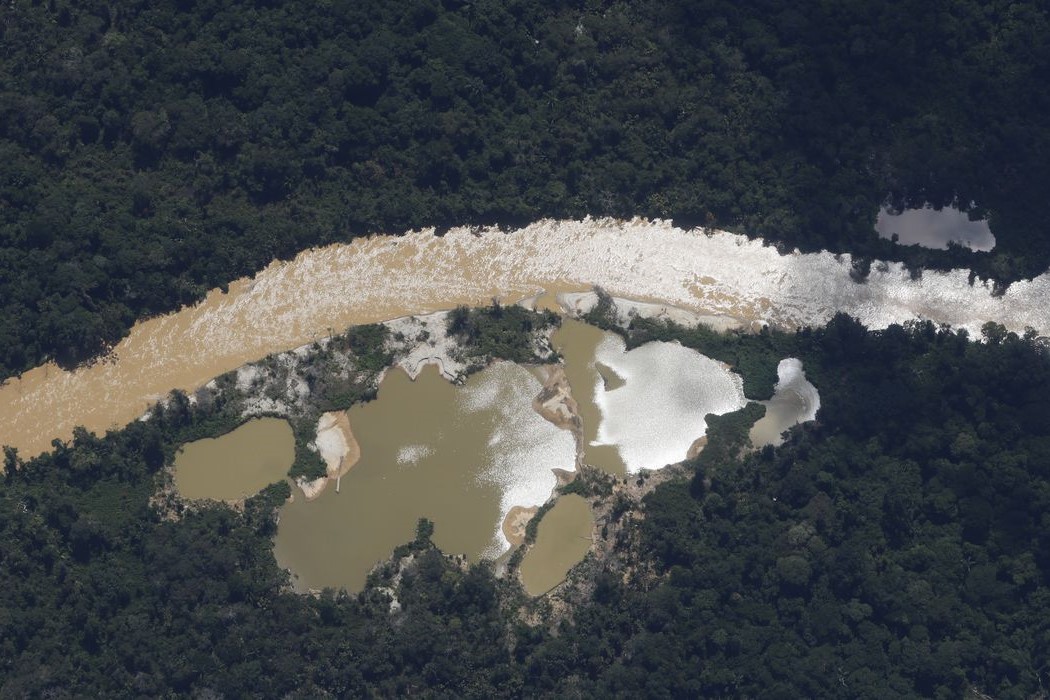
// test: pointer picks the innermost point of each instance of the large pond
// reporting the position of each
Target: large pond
(460, 456)
(238, 464)
(562, 540)
(935, 228)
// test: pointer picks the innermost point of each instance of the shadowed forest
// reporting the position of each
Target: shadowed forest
(155, 150)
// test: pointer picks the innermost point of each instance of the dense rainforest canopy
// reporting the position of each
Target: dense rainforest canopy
(896, 548)
(153, 150)
(899, 546)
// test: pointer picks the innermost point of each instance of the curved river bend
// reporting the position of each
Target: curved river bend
(325, 290)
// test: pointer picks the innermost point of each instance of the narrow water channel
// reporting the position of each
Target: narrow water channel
(578, 343)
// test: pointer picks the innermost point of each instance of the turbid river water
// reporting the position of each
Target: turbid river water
(238, 464)
(577, 342)
(562, 540)
(460, 456)
(327, 289)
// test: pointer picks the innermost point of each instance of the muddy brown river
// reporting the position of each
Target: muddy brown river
(324, 290)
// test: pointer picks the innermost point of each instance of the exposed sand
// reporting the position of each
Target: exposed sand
(697, 447)
(431, 347)
(556, 403)
(324, 290)
(579, 303)
(515, 523)
(338, 448)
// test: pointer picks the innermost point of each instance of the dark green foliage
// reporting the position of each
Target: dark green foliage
(368, 345)
(533, 528)
(754, 357)
(157, 151)
(101, 598)
(603, 314)
(504, 332)
(727, 438)
(589, 482)
(308, 463)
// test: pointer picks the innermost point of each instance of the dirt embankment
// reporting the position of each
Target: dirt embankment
(556, 404)
(515, 523)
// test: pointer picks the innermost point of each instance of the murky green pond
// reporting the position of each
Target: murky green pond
(238, 464)
(562, 540)
(460, 456)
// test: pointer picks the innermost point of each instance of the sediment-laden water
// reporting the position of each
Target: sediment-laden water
(238, 464)
(562, 540)
(460, 456)
(795, 400)
(578, 342)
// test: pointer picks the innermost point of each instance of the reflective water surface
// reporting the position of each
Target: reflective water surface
(578, 342)
(935, 228)
(460, 456)
(324, 290)
(795, 400)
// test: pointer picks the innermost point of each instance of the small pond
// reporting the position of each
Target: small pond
(795, 400)
(238, 464)
(562, 540)
(934, 228)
